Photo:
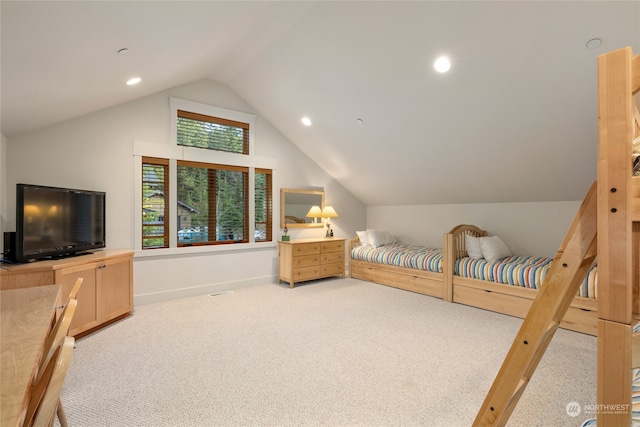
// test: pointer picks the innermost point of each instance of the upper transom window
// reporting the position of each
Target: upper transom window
(214, 133)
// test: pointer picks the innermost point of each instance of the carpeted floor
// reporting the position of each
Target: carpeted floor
(338, 352)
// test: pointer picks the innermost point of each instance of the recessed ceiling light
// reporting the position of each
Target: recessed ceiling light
(359, 121)
(442, 64)
(133, 81)
(306, 121)
(123, 50)
(594, 43)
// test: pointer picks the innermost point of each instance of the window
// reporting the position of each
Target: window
(215, 133)
(155, 212)
(215, 200)
(263, 205)
(219, 193)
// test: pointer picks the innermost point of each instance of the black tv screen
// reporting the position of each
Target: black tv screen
(55, 222)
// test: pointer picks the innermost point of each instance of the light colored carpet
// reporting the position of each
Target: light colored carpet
(338, 352)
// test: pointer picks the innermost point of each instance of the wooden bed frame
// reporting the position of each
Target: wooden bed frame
(410, 279)
(618, 232)
(582, 315)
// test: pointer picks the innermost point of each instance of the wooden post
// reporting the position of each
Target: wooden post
(615, 275)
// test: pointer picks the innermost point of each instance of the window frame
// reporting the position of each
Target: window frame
(246, 128)
(174, 152)
(269, 219)
(212, 226)
(166, 220)
(176, 104)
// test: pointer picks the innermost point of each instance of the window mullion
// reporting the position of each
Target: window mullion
(173, 202)
(212, 196)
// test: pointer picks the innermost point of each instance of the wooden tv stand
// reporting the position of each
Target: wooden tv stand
(106, 294)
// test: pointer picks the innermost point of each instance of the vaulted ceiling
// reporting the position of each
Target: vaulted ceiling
(514, 120)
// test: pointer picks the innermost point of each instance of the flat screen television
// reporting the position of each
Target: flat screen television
(54, 222)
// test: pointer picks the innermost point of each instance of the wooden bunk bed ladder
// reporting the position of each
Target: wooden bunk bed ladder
(571, 264)
(607, 226)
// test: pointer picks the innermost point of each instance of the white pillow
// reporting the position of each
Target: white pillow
(379, 238)
(473, 246)
(390, 238)
(493, 248)
(364, 238)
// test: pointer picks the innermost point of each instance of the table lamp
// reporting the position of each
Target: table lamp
(314, 213)
(329, 212)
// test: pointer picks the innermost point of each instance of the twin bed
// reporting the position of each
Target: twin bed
(412, 268)
(504, 284)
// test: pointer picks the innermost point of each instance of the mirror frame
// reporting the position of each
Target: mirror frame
(283, 195)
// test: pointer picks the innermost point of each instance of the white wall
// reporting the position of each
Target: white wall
(3, 193)
(528, 228)
(95, 152)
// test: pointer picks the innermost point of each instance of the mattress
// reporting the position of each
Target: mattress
(524, 271)
(401, 255)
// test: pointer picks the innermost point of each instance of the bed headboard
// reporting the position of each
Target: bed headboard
(456, 239)
(290, 219)
(354, 242)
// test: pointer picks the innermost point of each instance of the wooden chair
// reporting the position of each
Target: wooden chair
(57, 334)
(62, 416)
(53, 340)
(76, 287)
(45, 394)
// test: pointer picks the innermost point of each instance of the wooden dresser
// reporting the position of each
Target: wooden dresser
(308, 259)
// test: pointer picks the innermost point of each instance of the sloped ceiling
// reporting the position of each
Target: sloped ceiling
(514, 120)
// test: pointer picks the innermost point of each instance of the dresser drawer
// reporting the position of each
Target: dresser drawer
(306, 273)
(331, 257)
(332, 246)
(305, 260)
(332, 269)
(306, 249)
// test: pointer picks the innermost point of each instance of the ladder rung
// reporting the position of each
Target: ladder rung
(515, 397)
(551, 329)
(539, 350)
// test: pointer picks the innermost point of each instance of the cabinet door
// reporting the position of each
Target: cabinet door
(115, 293)
(86, 315)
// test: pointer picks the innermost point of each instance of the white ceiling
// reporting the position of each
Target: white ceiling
(515, 120)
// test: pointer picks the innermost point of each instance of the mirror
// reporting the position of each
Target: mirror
(295, 204)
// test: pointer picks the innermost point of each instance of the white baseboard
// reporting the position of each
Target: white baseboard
(200, 290)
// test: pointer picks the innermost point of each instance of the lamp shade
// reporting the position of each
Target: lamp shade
(329, 212)
(314, 212)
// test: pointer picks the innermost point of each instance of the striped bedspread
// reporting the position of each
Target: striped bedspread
(523, 271)
(401, 255)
